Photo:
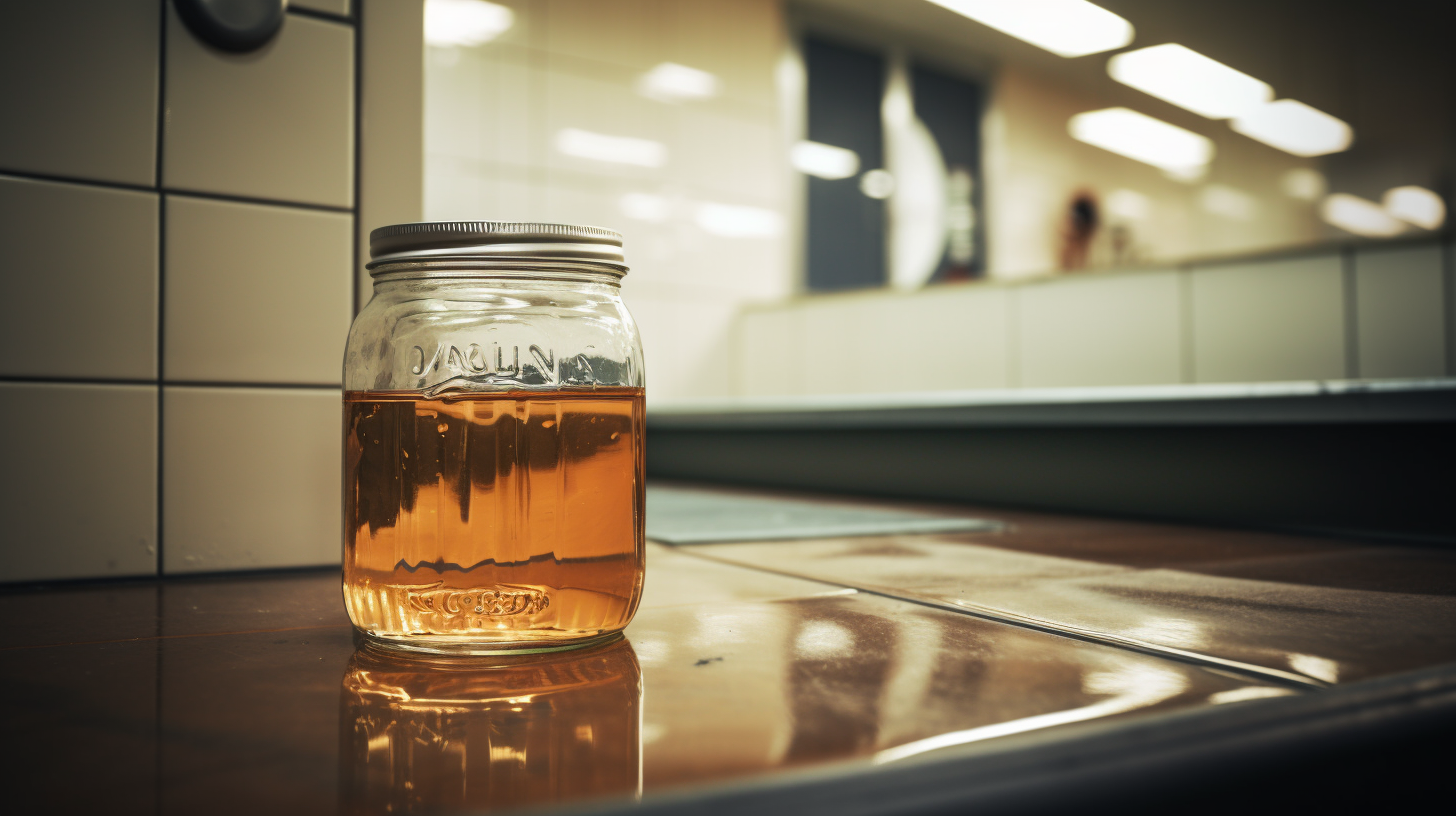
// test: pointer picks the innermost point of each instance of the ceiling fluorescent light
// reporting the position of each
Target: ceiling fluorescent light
(1354, 214)
(1416, 205)
(824, 161)
(1141, 137)
(1295, 127)
(670, 82)
(1068, 28)
(451, 23)
(1190, 80)
(584, 144)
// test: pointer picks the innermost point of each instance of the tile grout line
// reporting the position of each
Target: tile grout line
(6, 378)
(161, 261)
(161, 273)
(159, 188)
(1281, 678)
(354, 295)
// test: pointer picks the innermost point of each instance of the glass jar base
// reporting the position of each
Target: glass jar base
(476, 648)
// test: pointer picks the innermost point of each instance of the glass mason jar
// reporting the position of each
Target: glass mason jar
(493, 418)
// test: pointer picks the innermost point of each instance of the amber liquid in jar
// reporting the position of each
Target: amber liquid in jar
(502, 521)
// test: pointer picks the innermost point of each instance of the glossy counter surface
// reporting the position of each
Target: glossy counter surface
(249, 694)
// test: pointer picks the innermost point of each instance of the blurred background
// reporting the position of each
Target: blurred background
(1222, 179)
(819, 197)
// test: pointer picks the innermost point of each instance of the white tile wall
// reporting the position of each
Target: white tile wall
(256, 293)
(1271, 320)
(92, 117)
(1101, 330)
(225, 133)
(1400, 312)
(768, 344)
(494, 113)
(80, 497)
(81, 281)
(251, 478)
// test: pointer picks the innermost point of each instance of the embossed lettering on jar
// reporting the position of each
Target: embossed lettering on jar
(493, 414)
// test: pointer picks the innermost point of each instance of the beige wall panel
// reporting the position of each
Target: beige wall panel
(1100, 330)
(251, 478)
(80, 476)
(256, 293)
(1400, 312)
(80, 89)
(277, 123)
(944, 338)
(769, 360)
(81, 281)
(391, 122)
(1269, 320)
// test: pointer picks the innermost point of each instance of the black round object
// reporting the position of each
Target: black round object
(232, 25)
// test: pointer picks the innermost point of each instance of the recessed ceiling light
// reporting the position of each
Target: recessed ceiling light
(1141, 137)
(1188, 79)
(1068, 28)
(824, 161)
(1355, 214)
(1295, 127)
(1416, 205)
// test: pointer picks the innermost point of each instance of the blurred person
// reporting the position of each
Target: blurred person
(1079, 229)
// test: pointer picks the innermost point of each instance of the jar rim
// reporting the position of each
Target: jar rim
(476, 268)
(518, 241)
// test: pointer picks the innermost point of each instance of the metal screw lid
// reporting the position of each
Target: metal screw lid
(496, 240)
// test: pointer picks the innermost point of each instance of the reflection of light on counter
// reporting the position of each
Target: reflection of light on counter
(1320, 668)
(1355, 214)
(824, 161)
(1228, 202)
(1251, 693)
(1416, 205)
(465, 22)
(1295, 127)
(1188, 79)
(734, 221)
(584, 144)
(1143, 138)
(670, 82)
(1068, 28)
(1303, 183)
(1135, 687)
(820, 640)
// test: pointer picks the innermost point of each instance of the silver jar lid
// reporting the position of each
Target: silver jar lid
(495, 241)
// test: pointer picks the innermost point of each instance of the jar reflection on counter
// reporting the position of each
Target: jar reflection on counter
(424, 734)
